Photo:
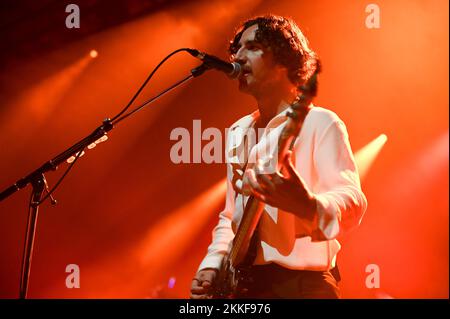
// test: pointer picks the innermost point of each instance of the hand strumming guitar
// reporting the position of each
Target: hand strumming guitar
(285, 190)
(202, 283)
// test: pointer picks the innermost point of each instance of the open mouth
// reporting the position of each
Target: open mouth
(246, 72)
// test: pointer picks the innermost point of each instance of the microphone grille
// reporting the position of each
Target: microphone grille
(237, 69)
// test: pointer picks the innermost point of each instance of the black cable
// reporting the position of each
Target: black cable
(123, 117)
(30, 202)
(62, 177)
(153, 98)
(145, 82)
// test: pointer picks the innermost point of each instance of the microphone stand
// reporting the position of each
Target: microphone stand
(38, 182)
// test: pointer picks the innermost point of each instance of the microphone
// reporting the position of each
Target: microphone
(233, 70)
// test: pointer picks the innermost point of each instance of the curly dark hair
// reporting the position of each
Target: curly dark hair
(289, 46)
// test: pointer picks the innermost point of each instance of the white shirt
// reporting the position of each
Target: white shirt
(323, 158)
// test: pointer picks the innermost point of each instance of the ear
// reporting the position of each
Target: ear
(282, 70)
(284, 76)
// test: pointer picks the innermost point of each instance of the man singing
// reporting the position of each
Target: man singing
(317, 195)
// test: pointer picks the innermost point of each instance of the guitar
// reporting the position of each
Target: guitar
(235, 269)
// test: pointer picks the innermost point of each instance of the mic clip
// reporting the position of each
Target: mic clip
(200, 69)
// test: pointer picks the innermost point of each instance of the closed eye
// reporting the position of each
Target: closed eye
(252, 46)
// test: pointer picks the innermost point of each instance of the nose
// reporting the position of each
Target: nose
(240, 57)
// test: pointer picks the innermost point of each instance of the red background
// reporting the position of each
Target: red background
(131, 219)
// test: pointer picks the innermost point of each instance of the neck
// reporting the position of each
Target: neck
(272, 104)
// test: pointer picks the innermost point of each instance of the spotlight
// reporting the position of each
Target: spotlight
(93, 54)
(366, 156)
(171, 283)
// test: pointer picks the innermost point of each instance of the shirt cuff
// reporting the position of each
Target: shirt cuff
(326, 223)
(212, 261)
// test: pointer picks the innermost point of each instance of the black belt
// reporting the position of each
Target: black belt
(275, 269)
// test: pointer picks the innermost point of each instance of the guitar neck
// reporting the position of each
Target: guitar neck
(250, 218)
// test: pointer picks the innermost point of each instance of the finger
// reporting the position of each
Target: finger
(204, 295)
(245, 189)
(259, 196)
(207, 275)
(266, 198)
(195, 283)
(236, 181)
(198, 290)
(237, 186)
(266, 183)
(289, 165)
(266, 165)
(199, 296)
(252, 181)
(277, 178)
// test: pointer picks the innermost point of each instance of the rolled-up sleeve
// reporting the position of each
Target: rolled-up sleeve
(341, 203)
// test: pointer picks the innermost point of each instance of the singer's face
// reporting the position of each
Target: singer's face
(260, 72)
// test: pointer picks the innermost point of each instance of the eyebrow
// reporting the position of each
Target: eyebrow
(248, 42)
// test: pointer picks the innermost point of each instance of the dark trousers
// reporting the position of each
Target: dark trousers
(274, 281)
